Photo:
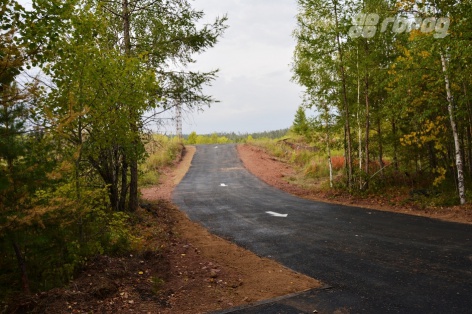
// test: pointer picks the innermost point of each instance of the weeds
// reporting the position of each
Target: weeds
(162, 151)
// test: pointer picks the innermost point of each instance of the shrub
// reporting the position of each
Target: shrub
(337, 162)
(162, 152)
(60, 234)
(302, 157)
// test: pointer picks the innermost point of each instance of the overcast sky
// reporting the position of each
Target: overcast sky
(254, 58)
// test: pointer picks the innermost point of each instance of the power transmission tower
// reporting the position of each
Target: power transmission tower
(178, 119)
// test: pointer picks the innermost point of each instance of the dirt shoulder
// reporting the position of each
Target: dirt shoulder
(278, 173)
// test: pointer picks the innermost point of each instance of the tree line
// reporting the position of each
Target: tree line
(393, 77)
(72, 137)
(231, 137)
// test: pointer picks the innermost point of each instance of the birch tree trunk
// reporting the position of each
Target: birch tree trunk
(457, 146)
(330, 163)
(469, 132)
(328, 147)
(347, 125)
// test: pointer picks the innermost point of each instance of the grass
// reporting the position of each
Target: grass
(162, 151)
(312, 165)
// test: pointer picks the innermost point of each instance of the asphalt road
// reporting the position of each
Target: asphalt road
(370, 261)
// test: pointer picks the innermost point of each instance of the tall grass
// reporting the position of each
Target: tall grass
(311, 164)
(162, 151)
(270, 145)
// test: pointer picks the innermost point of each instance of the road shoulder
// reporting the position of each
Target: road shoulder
(277, 173)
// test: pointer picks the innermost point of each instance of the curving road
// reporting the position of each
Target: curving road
(371, 261)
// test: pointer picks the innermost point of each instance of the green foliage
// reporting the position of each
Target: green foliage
(274, 147)
(60, 234)
(162, 151)
(385, 98)
(317, 169)
(194, 139)
(191, 139)
(300, 124)
(66, 183)
(301, 157)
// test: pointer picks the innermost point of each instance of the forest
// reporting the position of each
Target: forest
(80, 83)
(390, 84)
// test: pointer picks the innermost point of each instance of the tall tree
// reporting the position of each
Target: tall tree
(300, 124)
(22, 171)
(162, 33)
(319, 66)
(12, 117)
(105, 64)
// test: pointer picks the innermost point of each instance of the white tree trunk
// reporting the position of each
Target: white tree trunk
(330, 164)
(359, 127)
(458, 151)
(328, 145)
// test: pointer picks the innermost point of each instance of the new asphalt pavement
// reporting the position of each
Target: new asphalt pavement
(369, 261)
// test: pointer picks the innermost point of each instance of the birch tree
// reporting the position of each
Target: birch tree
(162, 33)
(319, 63)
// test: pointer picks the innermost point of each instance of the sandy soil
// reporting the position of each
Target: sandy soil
(277, 173)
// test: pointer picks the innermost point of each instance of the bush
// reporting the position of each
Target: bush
(338, 162)
(59, 235)
(194, 139)
(302, 157)
(162, 152)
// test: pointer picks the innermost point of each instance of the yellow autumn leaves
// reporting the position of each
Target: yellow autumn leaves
(431, 131)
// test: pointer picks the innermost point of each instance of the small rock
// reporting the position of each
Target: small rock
(214, 273)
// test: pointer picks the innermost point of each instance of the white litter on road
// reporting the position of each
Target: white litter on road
(274, 214)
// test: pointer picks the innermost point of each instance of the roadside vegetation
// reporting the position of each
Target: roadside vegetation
(80, 83)
(323, 171)
(162, 151)
(393, 104)
(62, 235)
(226, 138)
